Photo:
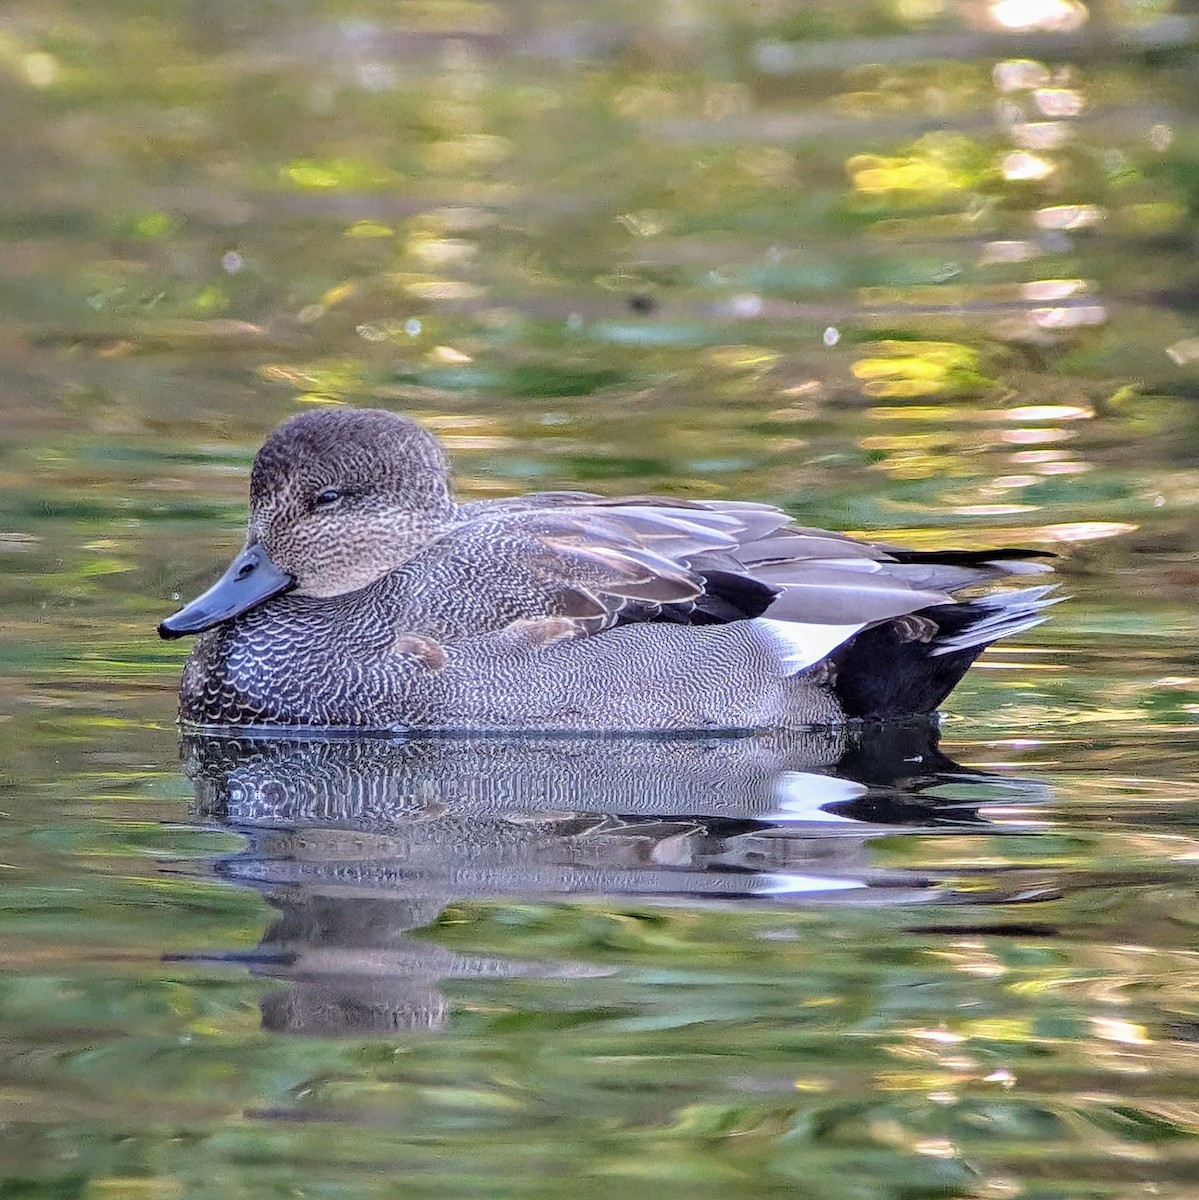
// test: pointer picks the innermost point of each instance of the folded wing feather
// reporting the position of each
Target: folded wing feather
(603, 562)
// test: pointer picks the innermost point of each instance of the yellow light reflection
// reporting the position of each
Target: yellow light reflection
(1022, 167)
(1085, 531)
(1184, 352)
(909, 443)
(914, 412)
(875, 174)
(443, 289)
(474, 485)
(942, 1037)
(448, 356)
(1027, 16)
(1073, 467)
(41, 69)
(310, 174)
(936, 1147)
(441, 252)
(642, 224)
(1045, 412)
(448, 423)
(477, 442)
(897, 369)
(369, 229)
(329, 376)
(1126, 1032)
(936, 164)
(1041, 290)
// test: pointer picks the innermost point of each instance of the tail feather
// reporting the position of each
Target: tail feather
(1001, 614)
(903, 667)
(951, 577)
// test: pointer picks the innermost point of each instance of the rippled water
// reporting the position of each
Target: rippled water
(917, 268)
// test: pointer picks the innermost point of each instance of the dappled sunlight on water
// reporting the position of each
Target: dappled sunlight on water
(916, 270)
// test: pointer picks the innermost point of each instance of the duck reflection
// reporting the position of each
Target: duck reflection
(357, 842)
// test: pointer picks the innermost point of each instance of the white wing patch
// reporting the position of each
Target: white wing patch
(800, 645)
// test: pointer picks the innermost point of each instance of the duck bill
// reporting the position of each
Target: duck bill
(250, 579)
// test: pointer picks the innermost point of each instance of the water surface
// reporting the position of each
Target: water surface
(922, 269)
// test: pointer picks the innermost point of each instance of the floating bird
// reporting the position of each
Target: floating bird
(368, 597)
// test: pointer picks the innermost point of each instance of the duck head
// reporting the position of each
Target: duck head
(338, 498)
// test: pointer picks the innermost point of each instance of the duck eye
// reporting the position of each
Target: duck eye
(326, 498)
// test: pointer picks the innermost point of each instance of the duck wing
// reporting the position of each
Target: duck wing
(607, 564)
(831, 578)
(604, 562)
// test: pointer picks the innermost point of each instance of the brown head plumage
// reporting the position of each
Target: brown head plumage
(339, 497)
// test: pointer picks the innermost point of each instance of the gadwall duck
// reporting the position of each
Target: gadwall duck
(367, 596)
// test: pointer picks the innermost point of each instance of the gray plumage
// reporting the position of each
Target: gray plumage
(562, 610)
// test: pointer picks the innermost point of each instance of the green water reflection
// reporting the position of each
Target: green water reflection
(909, 267)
